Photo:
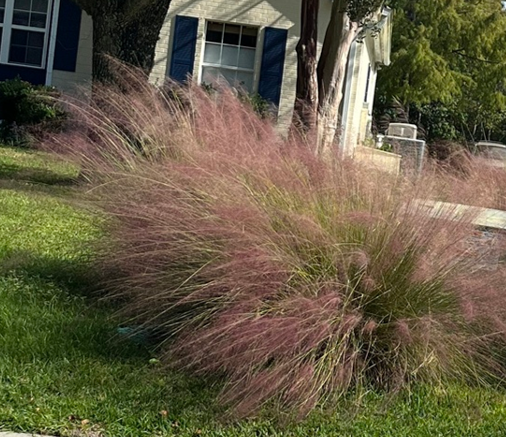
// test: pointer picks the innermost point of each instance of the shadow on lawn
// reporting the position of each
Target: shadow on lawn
(19, 173)
(72, 326)
(90, 329)
(80, 278)
(74, 276)
(43, 181)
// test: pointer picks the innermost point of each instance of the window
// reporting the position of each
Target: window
(229, 52)
(24, 26)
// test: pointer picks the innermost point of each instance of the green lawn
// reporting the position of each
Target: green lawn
(64, 369)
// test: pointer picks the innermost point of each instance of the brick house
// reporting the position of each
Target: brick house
(247, 42)
(253, 43)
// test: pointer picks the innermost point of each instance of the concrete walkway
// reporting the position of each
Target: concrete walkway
(483, 217)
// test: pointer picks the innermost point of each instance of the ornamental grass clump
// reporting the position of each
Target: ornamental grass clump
(474, 181)
(295, 280)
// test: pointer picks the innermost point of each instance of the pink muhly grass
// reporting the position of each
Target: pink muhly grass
(475, 182)
(295, 279)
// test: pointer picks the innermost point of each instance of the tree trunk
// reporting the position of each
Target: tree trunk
(331, 74)
(141, 34)
(306, 105)
(106, 23)
(127, 30)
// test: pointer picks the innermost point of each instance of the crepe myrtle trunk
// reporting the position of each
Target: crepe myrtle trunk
(320, 83)
(126, 30)
(306, 104)
(339, 38)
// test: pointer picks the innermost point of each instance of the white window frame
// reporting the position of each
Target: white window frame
(2, 25)
(227, 67)
(8, 27)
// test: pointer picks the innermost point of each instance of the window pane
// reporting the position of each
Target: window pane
(21, 18)
(237, 79)
(249, 37)
(232, 33)
(209, 75)
(38, 20)
(2, 3)
(2, 13)
(19, 37)
(26, 47)
(1, 34)
(245, 80)
(214, 32)
(212, 53)
(212, 75)
(36, 39)
(34, 56)
(230, 56)
(22, 4)
(228, 75)
(247, 58)
(17, 54)
(40, 5)
(32, 13)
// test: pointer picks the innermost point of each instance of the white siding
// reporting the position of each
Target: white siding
(358, 113)
(71, 82)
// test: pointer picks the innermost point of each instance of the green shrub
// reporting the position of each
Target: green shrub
(258, 104)
(28, 111)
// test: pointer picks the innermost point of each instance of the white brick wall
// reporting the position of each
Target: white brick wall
(68, 81)
(359, 113)
(283, 14)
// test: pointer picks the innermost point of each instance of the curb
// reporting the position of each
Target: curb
(15, 434)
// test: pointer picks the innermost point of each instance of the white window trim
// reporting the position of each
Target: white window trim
(7, 31)
(227, 67)
(52, 42)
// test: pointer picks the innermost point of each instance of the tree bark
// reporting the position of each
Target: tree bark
(126, 30)
(331, 74)
(306, 104)
(141, 34)
(106, 24)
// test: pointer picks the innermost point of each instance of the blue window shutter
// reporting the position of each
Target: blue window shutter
(67, 36)
(273, 62)
(183, 49)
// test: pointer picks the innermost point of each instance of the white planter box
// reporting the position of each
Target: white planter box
(386, 161)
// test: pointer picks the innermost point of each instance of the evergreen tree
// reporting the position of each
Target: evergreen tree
(450, 53)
